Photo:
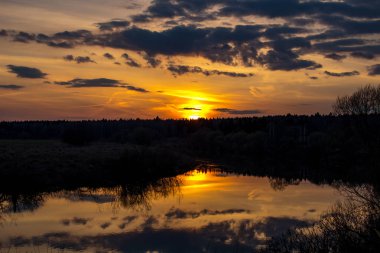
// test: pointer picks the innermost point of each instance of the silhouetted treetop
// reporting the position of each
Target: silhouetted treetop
(364, 101)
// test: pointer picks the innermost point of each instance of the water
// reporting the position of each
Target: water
(196, 212)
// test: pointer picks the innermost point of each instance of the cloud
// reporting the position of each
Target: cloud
(193, 9)
(336, 57)
(75, 221)
(109, 56)
(26, 72)
(24, 37)
(105, 225)
(72, 35)
(286, 60)
(133, 88)
(374, 70)
(183, 69)
(3, 33)
(176, 213)
(66, 39)
(337, 45)
(113, 24)
(78, 59)
(99, 82)
(342, 74)
(191, 109)
(151, 60)
(238, 112)
(342, 29)
(127, 220)
(129, 61)
(11, 87)
(363, 55)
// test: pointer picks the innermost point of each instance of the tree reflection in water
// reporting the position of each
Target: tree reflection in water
(350, 226)
(136, 196)
(140, 196)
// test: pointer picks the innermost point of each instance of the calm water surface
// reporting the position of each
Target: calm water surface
(195, 212)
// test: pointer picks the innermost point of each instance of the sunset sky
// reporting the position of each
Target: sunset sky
(94, 59)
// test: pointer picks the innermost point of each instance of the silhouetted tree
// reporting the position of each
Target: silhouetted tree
(364, 101)
(351, 226)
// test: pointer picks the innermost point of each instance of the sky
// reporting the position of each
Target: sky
(93, 59)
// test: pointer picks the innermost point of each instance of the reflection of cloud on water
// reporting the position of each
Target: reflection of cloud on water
(127, 220)
(75, 221)
(253, 195)
(225, 236)
(176, 213)
(88, 197)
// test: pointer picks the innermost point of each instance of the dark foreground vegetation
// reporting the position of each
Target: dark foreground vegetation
(343, 147)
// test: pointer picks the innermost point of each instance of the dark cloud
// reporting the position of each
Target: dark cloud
(342, 74)
(310, 77)
(350, 26)
(133, 88)
(217, 44)
(11, 87)
(66, 39)
(336, 57)
(238, 112)
(295, 8)
(26, 72)
(63, 44)
(285, 60)
(363, 55)
(105, 225)
(24, 37)
(183, 69)
(75, 221)
(3, 33)
(78, 59)
(343, 29)
(151, 60)
(99, 82)
(149, 223)
(274, 32)
(374, 70)
(72, 35)
(176, 213)
(109, 56)
(191, 9)
(338, 45)
(342, 19)
(129, 61)
(68, 57)
(127, 220)
(228, 45)
(113, 24)
(191, 109)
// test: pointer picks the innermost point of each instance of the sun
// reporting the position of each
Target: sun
(193, 117)
(194, 110)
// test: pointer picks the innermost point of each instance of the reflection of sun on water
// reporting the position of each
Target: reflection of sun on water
(197, 176)
(197, 180)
